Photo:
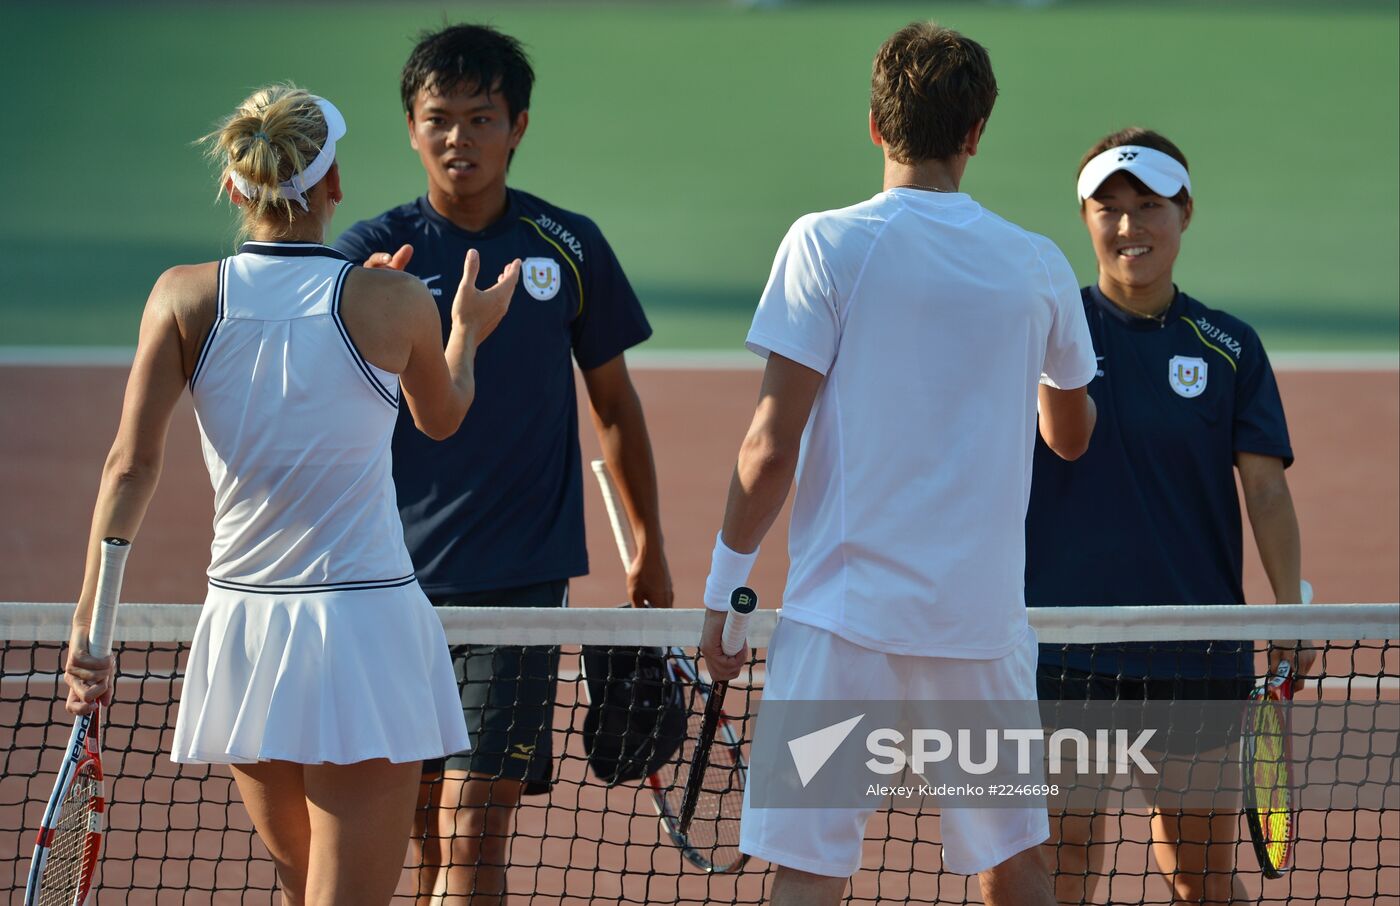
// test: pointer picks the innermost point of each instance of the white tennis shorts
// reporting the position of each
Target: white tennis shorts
(810, 664)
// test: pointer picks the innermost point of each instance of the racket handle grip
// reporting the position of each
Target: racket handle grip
(109, 584)
(742, 603)
(617, 518)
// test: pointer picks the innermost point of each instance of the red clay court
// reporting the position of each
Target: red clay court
(58, 421)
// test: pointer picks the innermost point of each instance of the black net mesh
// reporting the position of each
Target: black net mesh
(178, 834)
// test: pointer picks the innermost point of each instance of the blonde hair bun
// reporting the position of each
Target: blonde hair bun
(272, 136)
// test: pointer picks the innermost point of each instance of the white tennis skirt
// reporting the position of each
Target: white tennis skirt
(334, 677)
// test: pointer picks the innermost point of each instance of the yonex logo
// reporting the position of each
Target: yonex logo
(1127, 155)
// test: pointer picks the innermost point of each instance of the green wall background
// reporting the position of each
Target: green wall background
(695, 133)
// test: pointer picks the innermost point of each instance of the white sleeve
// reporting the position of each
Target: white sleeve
(797, 314)
(1069, 350)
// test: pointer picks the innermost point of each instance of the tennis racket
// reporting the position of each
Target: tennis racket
(1266, 760)
(711, 842)
(742, 603)
(70, 835)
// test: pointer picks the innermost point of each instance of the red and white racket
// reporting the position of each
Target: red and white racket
(70, 835)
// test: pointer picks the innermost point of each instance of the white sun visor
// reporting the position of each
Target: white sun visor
(295, 189)
(1160, 172)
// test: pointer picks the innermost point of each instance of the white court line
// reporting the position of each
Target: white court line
(671, 359)
(1336, 361)
(66, 356)
(698, 359)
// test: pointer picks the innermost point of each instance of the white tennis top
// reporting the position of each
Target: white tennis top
(933, 320)
(296, 427)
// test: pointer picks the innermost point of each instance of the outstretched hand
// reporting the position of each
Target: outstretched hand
(478, 310)
(397, 261)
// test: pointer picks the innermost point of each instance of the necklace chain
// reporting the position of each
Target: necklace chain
(911, 185)
(1160, 317)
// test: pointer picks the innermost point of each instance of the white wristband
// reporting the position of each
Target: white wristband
(728, 570)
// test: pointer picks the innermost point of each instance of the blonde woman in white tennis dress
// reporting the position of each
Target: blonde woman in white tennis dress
(319, 671)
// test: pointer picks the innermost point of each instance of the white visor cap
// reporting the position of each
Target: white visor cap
(1160, 172)
(295, 189)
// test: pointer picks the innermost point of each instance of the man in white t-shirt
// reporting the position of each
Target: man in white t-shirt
(907, 340)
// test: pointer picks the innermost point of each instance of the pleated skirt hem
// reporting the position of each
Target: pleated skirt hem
(338, 678)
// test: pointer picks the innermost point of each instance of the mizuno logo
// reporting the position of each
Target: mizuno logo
(427, 281)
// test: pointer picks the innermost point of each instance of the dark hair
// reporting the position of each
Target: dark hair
(929, 87)
(473, 56)
(1144, 138)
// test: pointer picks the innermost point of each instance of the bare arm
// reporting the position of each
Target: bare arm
(768, 455)
(1067, 420)
(1275, 526)
(622, 433)
(133, 466)
(439, 384)
(762, 479)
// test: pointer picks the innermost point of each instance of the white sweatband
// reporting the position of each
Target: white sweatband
(728, 570)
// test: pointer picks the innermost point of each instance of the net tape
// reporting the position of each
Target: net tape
(46, 622)
(177, 834)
